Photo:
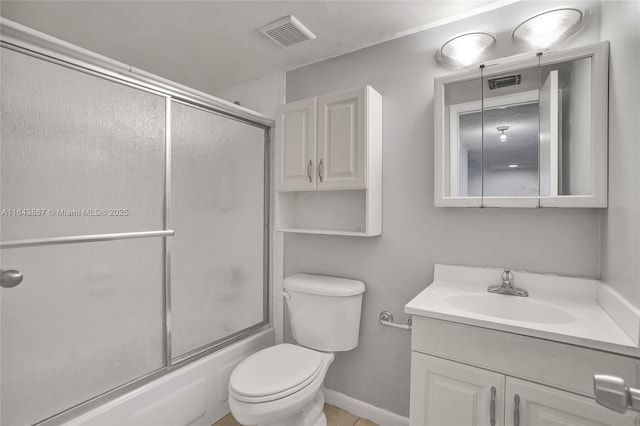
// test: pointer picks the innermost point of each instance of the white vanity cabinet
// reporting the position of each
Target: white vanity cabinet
(545, 406)
(454, 368)
(328, 164)
(450, 393)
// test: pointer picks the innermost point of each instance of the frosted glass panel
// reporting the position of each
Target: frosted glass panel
(218, 214)
(79, 154)
(87, 318)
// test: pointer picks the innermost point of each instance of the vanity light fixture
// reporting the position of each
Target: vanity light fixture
(465, 49)
(550, 28)
(513, 166)
(503, 137)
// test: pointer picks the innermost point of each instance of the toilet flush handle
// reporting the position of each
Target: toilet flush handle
(286, 295)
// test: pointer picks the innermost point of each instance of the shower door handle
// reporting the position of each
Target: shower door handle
(10, 278)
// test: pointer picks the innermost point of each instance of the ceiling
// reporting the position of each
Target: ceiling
(479, 134)
(478, 130)
(211, 45)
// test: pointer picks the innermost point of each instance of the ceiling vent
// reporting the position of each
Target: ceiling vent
(287, 31)
(506, 81)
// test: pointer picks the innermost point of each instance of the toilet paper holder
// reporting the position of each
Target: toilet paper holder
(386, 318)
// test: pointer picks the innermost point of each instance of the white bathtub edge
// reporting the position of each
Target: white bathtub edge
(182, 402)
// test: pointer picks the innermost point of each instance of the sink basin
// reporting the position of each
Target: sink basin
(510, 308)
(562, 309)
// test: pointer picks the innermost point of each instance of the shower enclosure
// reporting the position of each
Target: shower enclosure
(134, 230)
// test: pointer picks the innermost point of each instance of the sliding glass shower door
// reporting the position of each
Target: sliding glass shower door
(218, 211)
(80, 155)
(95, 174)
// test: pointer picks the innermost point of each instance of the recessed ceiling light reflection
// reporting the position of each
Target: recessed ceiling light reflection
(503, 137)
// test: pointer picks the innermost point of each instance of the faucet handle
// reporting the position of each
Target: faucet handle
(507, 275)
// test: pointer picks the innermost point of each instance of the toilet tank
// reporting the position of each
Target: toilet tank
(324, 312)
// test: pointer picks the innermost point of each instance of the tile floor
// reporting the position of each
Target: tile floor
(335, 417)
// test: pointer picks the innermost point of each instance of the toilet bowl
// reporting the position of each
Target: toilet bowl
(282, 385)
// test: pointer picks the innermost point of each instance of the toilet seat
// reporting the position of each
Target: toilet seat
(274, 373)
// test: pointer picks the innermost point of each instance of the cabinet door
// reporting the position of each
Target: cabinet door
(446, 393)
(544, 406)
(296, 146)
(342, 140)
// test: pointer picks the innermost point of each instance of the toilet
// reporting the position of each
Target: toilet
(282, 385)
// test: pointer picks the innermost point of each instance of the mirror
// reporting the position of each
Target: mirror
(529, 131)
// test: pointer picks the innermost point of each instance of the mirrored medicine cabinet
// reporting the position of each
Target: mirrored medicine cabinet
(525, 131)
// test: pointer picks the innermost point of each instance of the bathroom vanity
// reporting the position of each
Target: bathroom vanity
(490, 359)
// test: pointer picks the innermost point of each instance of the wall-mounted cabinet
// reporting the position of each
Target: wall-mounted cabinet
(329, 164)
(296, 138)
(525, 131)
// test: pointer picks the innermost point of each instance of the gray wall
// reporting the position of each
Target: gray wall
(399, 264)
(262, 95)
(621, 221)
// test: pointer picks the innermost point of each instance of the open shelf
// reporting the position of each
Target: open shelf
(345, 212)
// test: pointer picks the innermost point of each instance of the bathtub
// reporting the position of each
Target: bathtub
(195, 394)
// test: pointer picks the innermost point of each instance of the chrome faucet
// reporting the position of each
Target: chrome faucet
(507, 286)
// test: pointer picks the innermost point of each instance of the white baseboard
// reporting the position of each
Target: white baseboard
(362, 409)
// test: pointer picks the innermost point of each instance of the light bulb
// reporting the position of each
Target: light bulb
(545, 29)
(465, 49)
(501, 129)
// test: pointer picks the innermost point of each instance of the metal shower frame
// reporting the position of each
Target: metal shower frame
(24, 40)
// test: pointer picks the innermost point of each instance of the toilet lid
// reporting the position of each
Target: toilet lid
(275, 372)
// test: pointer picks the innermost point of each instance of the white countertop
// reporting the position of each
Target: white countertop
(568, 308)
